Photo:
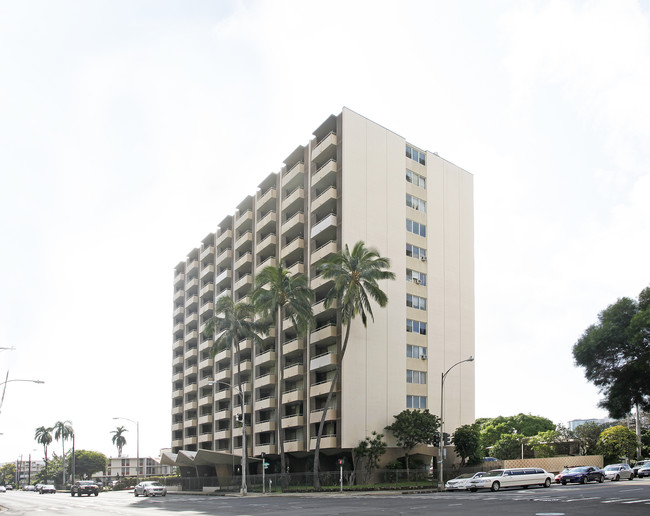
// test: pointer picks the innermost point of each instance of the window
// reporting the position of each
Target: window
(416, 203)
(415, 155)
(415, 351)
(416, 228)
(416, 376)
(416, 252)
(416, 179)
(416, 277)
(416, 302)
(416, 402)
(416, 327)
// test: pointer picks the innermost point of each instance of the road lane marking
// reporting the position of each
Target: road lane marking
(638, 501)
(617, 500)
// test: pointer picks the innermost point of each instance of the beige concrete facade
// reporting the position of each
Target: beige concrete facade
(355, 180)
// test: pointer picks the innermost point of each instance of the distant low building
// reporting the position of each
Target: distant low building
(126, 467)
(575, 423)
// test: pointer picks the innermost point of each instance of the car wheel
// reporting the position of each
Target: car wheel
(164, 494)
(600, 479)
(563, 482)
(583, 480)
(495, 486)
(79, 494)
(631, 477)
(96, 493)
(135, 493)
(617, 478)
(473, 489)
(547, 482)
(71, 493)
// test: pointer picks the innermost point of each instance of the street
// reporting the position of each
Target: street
(619, 498)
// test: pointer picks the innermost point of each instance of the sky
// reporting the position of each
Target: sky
(127, 128)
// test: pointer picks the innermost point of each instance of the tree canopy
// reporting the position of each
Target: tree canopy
(526, 425)
(615, 353)
(467, 443)
(89, 462)
(617, 442)
(413, 427)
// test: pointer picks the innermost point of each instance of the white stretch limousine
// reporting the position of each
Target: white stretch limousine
(511, 477)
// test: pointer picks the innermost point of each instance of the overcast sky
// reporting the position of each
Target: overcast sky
(129, 129)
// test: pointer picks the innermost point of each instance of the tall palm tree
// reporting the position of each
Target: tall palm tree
(232, 323)
(63, 430)
(43, 436)
(118, 439)
(355, 276)
(278, 295)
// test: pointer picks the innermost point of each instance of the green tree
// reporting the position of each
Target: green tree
(367, 454)
(543, 444)
(507, 447)
(525, 425)
(615, 353)
(279, 295)
(232, 323)
(63, 430)
(413, 427)
(617, 442)
(43, 436)
(89, 462)
(8, 473)
(118, 439)
(356, 275)
(588, 434)
(467, 443)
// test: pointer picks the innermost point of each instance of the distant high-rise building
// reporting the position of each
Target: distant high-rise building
(355, 180)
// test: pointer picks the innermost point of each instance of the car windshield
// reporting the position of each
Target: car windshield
(466, 475)
(156, 484)
(86, 483)
(494, 473)
(612, 468)
(578, 470)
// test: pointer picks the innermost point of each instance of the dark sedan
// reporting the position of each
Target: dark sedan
(582, 474)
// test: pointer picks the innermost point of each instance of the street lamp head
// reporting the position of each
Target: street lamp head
(470, 359)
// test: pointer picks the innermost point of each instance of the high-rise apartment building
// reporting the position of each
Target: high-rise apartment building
(355, 180)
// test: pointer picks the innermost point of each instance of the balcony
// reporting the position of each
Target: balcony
(245, 259)
(179, 295)
(177, 443)
(244, 220)
(205, 438)
(327, 332)
(316, 415)
(206, 309)
(326, 360)
(270, 261)
(206, 400)
(178, 311)
(223, 394)
(320, 388)
(294, 248)
(263, 358)
(326, 441)
(265, 380)
(192, 388)
(326, 198)
(325, 175)
(205, 344)
(192, 286)
(294, 225)
(319, 282)
(224, 238)
(222, 434)
(207, 273)
(179, 360)
(294, 446)
(191, 303)
(297, 268)
(179, 328)
(176, 427)
(268, 449)
(179, 278)
(325, 148)
(265, 403)
(191, 405)
(244, 367)
(177, 409)
(191, 370)
(207, 290)
(244, 281)
(192, 267)
(189, 423)
(177, 377)
(265, 426)
(222, 414)
(190, 338)
(266, 200)
(324, 251)
(222, 375)
(178, 393)
(244, 242)
(294, 198)
(223, 293)
(207, 253)
(178, 345)
(223, 278)
(269, 219)
(293, 396)
(222, 355)
(206, 363)
(319, 308)
(224, 259)
(267, 245)
(329, 221)
(293, 421)
(192, 320)
(294, 175)
(293, 371)
(292, 346)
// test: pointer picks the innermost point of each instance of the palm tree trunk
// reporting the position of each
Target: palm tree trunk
(321, 426)
(278, 412)
(63, 450)
(244, 453)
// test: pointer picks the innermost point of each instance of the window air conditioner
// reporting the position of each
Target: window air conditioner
(423, 356)
(416, 281)
(423, 258)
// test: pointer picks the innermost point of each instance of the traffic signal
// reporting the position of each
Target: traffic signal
(447, 438)
(436, 440)
(340, 462)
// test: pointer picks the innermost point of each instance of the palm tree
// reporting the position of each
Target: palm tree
(355, 276)
(43, 436)
(279, 294)
(63, 430)
(118, 439)
(232, 323)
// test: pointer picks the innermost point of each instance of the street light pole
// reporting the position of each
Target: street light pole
(244, 487)
(9, 381)
(137, 445)
(441, 485)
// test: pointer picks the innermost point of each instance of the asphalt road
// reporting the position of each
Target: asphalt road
(611, 498)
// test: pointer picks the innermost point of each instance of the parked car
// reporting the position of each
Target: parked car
(460, 483)
(9, 487)
(639, 464)
(558, 477)
(47, 488)
(37, 487)
(3, 489)
(511, 477)
(86, 487)
(29, 487)
(644, 471)
(150, 489)
(582, 474)
(618, 471)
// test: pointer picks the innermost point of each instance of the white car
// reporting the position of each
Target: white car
(460, 483)
(618, 471)
(511, 477)
(3, 489)
(150, 488)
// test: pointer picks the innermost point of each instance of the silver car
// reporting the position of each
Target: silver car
(150, 488)
(460, 483)
(618, 471)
